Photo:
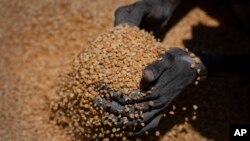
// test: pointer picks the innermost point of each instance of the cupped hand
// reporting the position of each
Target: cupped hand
(165, 79)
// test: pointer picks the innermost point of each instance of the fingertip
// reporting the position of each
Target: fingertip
(121, 14)
(98, 101)
(148, 75)
(130, 14)
(154, 70)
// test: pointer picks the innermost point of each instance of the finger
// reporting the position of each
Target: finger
(150, 105)
(123, 99)
(118, 102)
(131, 14)
(154, 70)
(139, 110)
(201, 72)
(169, 11)
(111, 106)
(168, 62)
(131, 111)
(110, 120)
(122, 14)
(135, 121)
(116, 108)
(142, 118)
(152, 124)
(134, 97)
(127, 110)
(142, 107)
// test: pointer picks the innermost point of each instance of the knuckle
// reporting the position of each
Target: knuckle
(121, 10)
(118, 10)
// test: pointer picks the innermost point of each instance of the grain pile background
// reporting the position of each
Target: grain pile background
(39, 39)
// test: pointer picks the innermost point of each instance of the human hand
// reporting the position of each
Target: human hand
(166, 77)
(152, 15)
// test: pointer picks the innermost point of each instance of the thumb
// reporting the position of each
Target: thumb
(131, 14)
(154, 70)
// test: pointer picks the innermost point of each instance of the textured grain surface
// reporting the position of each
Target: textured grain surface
(116, 58)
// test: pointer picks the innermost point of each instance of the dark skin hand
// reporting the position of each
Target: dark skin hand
(151, 15)
(165, 78)
(168, 76)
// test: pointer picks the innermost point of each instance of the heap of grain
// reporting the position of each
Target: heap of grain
(115, 58)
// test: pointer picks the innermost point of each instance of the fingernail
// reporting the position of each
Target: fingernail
(148, 75)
